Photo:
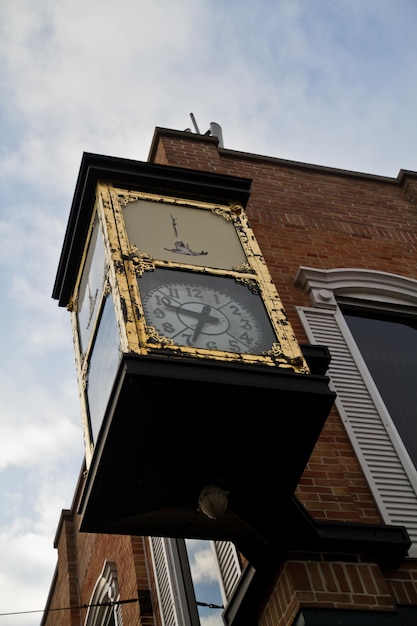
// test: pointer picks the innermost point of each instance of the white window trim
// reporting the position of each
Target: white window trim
(371, 285)
(105, 590)
(386, 464)
(174, 585)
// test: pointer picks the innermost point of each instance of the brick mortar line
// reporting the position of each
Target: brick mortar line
(330, 224)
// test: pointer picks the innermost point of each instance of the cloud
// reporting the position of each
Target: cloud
(77, 75)
(27, 562)
(30, 507)
(211, 620)
(325, 86)
(280, 80)
(203, 565)
(29, 443)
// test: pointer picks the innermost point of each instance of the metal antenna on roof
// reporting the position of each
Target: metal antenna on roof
(195, 124)
(215, 130)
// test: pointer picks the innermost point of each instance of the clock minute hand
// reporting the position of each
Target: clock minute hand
(202, 320)
(191, 313)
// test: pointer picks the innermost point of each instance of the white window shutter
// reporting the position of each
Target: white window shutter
(165, 589)
(229, 566)
(383, 458)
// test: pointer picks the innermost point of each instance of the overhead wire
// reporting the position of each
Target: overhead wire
(72, 608)
(87, 606)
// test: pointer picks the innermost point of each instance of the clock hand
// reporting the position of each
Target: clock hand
(198, 314)
(202, 320)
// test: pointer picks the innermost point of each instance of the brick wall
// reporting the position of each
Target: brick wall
(64, 589)
(322, 584)
(341, 585)
(81, 557)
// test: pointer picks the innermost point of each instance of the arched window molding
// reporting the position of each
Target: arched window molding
(106, 590)
(324, 286)
(386, 464)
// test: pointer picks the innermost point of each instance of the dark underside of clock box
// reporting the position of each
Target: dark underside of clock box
(173, 427)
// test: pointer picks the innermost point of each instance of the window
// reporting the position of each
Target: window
(209, 581)
(368, 321)
(174, 585)
(388, 345)
(106, 590)
(191, 574)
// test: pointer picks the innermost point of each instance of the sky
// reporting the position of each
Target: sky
(327, 82)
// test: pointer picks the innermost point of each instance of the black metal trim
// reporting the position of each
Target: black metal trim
(405, 616)
(305, 538)
(137, 175)
(317, 358)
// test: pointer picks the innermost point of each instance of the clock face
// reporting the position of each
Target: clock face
(208, 312)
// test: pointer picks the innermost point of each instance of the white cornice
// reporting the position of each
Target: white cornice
(323, 286)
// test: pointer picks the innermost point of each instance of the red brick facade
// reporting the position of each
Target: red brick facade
(302, 215)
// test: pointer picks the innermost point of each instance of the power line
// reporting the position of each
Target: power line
(72, 608)
(87, 606)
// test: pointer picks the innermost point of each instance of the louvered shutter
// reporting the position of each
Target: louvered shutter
(377, 444)
(165, 588)
(174, 583)
(229, 566)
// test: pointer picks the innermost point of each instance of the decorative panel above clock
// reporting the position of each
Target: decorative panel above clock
(198, 234)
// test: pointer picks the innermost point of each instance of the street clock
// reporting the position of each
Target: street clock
(173, 306)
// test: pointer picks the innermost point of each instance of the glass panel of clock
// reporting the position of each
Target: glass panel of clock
(206, 311)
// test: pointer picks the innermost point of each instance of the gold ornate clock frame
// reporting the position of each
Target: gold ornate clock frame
(137, 249)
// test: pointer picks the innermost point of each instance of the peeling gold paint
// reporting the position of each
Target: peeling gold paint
(254, 274)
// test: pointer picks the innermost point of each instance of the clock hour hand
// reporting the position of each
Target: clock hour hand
(207, 318)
